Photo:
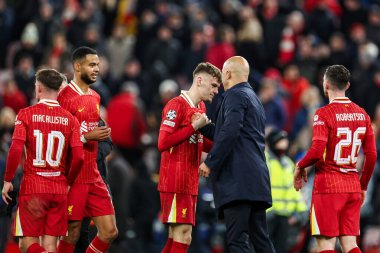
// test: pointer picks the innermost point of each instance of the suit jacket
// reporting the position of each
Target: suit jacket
(237, 160)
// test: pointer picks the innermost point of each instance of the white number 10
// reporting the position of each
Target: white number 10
(39, 161)
(350, 140)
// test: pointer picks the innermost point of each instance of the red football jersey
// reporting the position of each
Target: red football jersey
(180, 164)
(345, 126)
(85, 107)
(48, 131)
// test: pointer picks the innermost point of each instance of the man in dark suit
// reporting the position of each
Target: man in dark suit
(236, 162)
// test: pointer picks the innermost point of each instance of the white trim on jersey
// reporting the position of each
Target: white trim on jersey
(49, 102)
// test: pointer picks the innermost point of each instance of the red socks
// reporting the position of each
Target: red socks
(168, 246)
(65, 247)
(355, 250)
(35, 248)
(178, 247)
(97, 246)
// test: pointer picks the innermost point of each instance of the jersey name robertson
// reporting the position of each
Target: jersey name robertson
(349, 116)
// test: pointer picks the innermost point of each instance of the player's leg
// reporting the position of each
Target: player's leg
(29, 221)
(107, 232)
(30, 245)
(325, 244)
(348, 244)
(49, 243)
(100, 208)
(55, 222)
(350, 223)
(181, 237)
(168, 246)
(178, 210)
(76, 203)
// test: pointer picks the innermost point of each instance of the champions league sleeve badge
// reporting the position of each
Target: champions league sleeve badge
(171, 115)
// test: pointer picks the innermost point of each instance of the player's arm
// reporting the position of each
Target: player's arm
(167, 139)
(14, 155)
(369, 149)
(229, 133)
(76, 153)
(315, 153)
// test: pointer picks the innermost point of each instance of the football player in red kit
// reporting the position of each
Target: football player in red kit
(181, 146)
(89, 196)
(51, 137)
(340, 129)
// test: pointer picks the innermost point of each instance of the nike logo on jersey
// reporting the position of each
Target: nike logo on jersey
(81, 109)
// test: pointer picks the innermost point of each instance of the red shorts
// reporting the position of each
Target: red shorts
(89, 200)
(41, 214)
(178, 208)
(335, 214)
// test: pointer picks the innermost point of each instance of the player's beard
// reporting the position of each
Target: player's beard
(86, 79)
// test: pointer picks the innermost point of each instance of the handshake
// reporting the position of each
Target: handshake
(199, 120)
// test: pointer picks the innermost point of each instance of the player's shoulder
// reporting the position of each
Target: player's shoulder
(175, 102)
(94, 93)
(66, 93)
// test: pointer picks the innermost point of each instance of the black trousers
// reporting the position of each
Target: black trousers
(246, 222)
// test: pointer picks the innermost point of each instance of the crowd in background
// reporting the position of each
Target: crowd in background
(148, 50)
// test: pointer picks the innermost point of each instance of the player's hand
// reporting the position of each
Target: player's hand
(299, 175)
(364, 193)
(98, 134)
(201, 121)
(8, 187)
(204, 170)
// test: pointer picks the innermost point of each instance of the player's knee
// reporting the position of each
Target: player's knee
(74, 232)
(108, 235)
(187, 238)
(23, 247)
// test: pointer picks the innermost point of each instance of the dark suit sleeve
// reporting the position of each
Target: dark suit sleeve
(234, 109)
(208, 131)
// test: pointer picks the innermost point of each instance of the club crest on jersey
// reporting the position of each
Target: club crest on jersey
(171, 115)
(315, 117)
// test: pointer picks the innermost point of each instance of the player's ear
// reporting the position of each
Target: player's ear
(76, 66)
(348, 85)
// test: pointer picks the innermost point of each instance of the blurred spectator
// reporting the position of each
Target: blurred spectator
(323, 21)
(58, 49)
(125, 118)
(13, 97)
(289, 212)
(295, 25)
(294, 85)
(161, 56)
(249, 38)
(147, 27)
(119, 50)
(272, 103)
(224, 48)
(93, 39)
(46, 23)
(6, 25)
(272, 20)
(353, 13)
(194, 54)
(373, 25)
(363, 73)
(24, 76)
(339, 53)
(306, 58)
(27, 48)
(310, 101)
(100, 86)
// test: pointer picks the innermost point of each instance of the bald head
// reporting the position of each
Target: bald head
(236, 70)
(238, 65)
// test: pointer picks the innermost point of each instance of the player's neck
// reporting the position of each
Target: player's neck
(82, 85)
(336, 94)
(193, 96)
(49, 96)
